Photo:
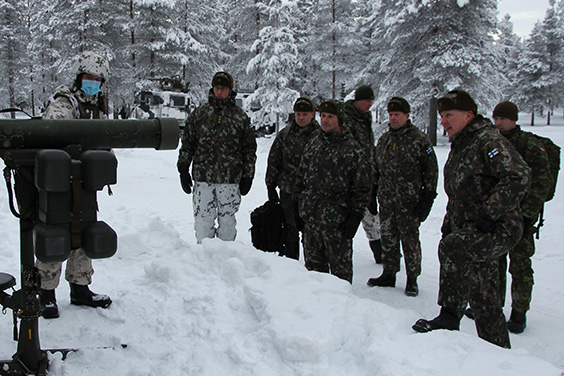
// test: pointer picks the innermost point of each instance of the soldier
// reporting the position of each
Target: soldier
(505, 116)
(220, 144)
(283, 162)
(485, 179)
(83, 100)
(407, 174)
(334, 182)
(357, 119)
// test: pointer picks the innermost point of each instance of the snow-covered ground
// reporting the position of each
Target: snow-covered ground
(225, 308)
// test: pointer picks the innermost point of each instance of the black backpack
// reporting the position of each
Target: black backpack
(267, 231)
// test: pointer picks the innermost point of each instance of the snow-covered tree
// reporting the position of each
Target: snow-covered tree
(276, 60)
(510, 49)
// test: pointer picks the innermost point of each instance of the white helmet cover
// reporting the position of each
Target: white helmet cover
(92, 63)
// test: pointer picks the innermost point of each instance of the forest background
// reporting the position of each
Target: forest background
(281, 49)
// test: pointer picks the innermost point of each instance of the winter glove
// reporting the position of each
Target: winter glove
(296, 211)
(272, 195)
(484, 222)
(350, 225)
(245, 185)
(425, 205)
(186, 182)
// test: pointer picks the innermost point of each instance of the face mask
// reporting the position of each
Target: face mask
(91, 87)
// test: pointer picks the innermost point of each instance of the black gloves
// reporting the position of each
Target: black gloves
(272, 194)
(245, 185)
(484, 222)
(350, 225)
(373, 205)
(186, 182)
(425, 205)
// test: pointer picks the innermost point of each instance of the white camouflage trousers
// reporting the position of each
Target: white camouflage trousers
(79, 270)
(213, 202)
(371, 225)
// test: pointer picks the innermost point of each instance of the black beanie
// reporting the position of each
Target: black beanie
(399, 104)
(506, 109)
(457, 100)
(329, 107)
(222, 79)
(304, 104)
(363, 92)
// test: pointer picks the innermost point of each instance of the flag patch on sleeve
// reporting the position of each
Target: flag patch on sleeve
(493, 153)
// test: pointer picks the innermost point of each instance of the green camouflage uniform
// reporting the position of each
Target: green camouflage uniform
(334, 181)
(360, 126)
(283, 163)
(483, 174)
(71, 104)
(520, 267)
(406, 167)
(220, 144)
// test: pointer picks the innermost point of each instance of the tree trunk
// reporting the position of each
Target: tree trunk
(433, 121)
(533, 118)
(548, 117)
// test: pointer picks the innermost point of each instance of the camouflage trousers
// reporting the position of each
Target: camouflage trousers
(79, 270)
(400, 225)
(292, 236)
(371, 225)
(521, 269)
(326, 250)
(213, 202)
(469, 273)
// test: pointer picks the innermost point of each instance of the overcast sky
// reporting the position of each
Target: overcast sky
(524, 13)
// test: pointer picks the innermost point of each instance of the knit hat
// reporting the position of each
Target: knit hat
(329, 107)
(506, 109)
(399, 104)
(304, 104)
(457, 100)
(222, 79)
(363, 92)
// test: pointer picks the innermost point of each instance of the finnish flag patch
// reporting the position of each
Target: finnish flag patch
(493, 153)
(429, 151)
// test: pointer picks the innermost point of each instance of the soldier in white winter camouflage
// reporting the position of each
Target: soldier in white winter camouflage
(220, 144)
(406, 179)
(334, 183)
(485, 179)
(83, 100)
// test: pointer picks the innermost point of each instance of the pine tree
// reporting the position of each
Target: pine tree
(510, 49)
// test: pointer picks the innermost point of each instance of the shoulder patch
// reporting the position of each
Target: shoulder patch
(429, 151)
(493, 153)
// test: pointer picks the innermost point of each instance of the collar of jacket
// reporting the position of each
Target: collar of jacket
(404, 128)
(512, 132)
(477, 123)
(351, 110)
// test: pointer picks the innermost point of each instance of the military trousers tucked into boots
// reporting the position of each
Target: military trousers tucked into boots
(469, 272)
(215, 202)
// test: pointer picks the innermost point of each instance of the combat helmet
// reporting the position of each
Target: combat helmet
(92, 63)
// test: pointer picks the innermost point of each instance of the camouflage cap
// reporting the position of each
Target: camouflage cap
(222, 79)
(399, 104)
(457, 100)
(506, 109)
(91, 63)
(329, 107)
(304, 104)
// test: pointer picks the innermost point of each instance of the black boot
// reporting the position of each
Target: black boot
(81, 295)
(376, 247)
(411, 288)
(448, 319)
(517, 322)
(385, 280)
(48, 304)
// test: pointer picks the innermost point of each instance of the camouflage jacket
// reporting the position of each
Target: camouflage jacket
(74, 104)
(219, 143)
(360, 126)
(334, 171)
(406, 167)
(533, 152)
(286, 153)
(484, 172)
